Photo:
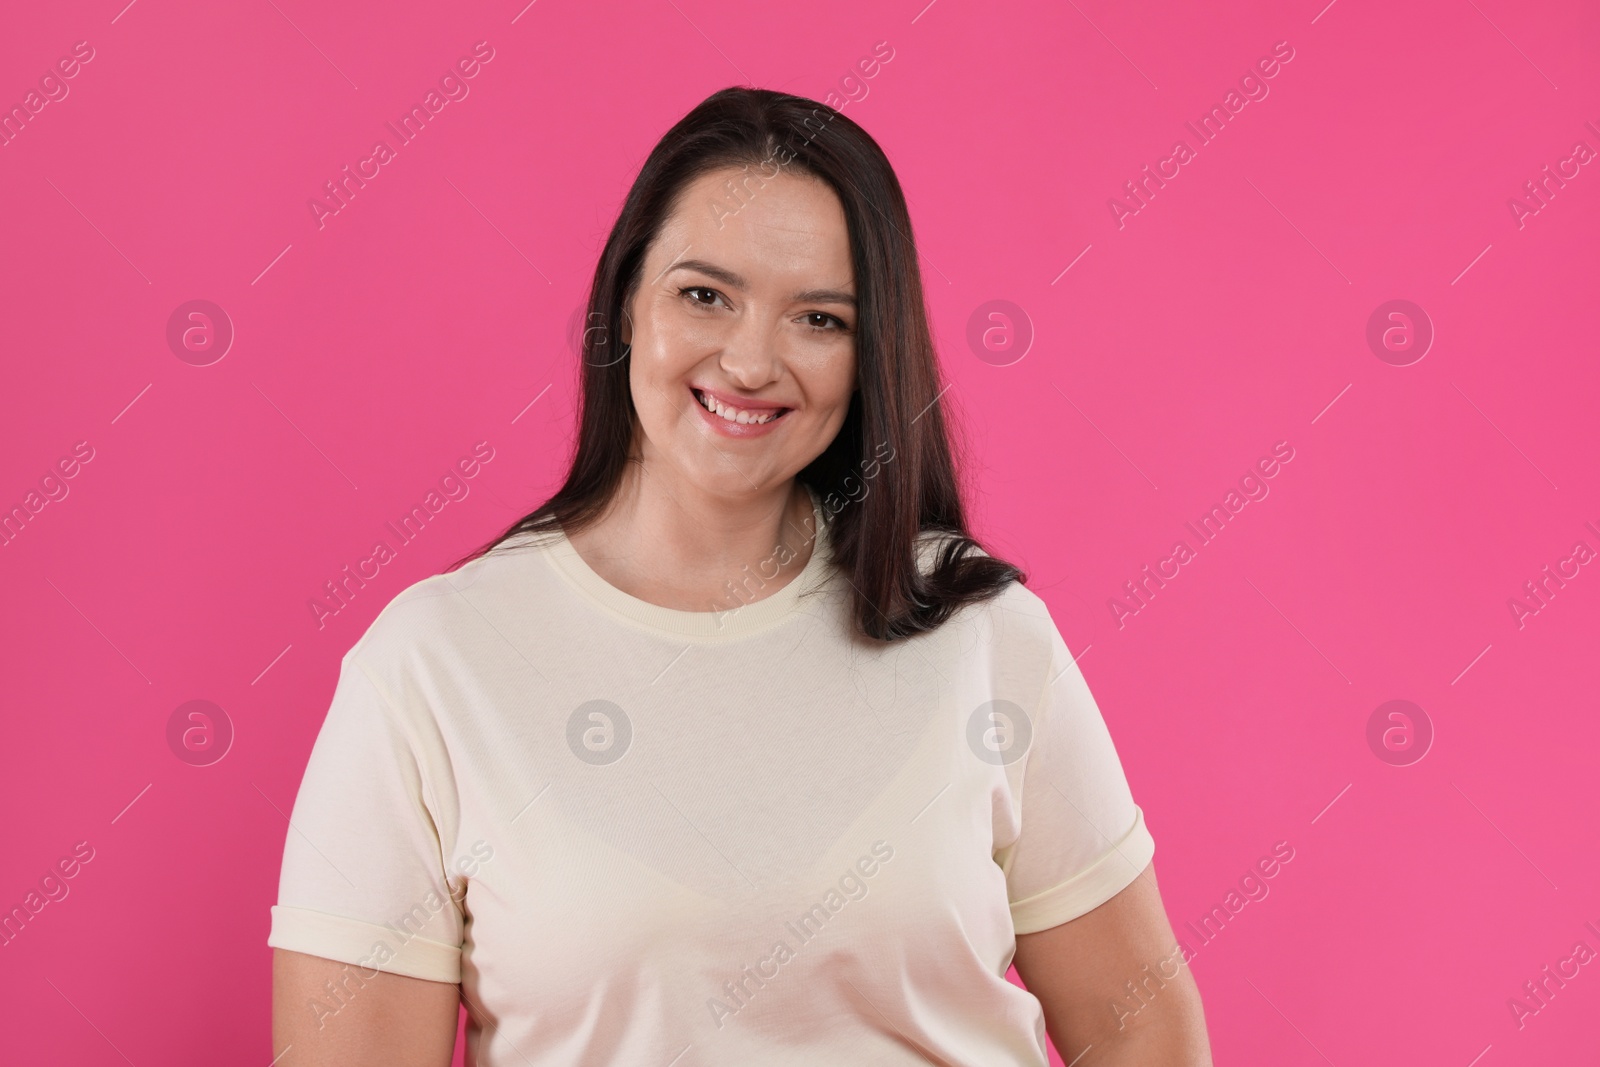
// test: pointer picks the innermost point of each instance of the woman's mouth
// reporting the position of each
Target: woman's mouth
(731, 416)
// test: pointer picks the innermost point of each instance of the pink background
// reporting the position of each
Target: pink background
(1228, 314)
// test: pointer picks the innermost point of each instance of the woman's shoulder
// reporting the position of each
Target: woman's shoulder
(1015, 618)
(444, 617)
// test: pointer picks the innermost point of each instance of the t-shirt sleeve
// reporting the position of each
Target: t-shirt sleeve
(363, 878)
(1082, 839)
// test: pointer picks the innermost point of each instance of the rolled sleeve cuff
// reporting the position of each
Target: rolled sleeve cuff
(364, 944)
(1112, 872)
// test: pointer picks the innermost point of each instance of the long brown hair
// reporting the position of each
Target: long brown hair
(888, 476)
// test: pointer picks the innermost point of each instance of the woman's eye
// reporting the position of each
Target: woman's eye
(819, 321)
(690, 290)
(826, 319)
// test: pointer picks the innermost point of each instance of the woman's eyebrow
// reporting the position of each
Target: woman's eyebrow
(728, 277)
(826, 296)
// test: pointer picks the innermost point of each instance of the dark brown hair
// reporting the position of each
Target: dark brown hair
(893, 447)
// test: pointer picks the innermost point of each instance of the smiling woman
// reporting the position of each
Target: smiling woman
(664, 782)
(740, 345)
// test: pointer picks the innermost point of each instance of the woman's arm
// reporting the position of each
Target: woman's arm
(327, 1014)
(1113, 983)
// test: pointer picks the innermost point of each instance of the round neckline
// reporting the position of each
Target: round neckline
(737, 620)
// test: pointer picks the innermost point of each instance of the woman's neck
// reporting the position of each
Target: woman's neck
(680, 547)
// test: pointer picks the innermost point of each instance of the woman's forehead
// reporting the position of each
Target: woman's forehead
(784, 225)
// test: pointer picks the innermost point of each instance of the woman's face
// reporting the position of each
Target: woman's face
(748, 307)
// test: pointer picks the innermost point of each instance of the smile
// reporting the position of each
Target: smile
(739, 416)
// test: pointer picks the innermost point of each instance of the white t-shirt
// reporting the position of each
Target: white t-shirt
(638, 835)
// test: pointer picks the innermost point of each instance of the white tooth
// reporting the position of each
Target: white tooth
(733, 414)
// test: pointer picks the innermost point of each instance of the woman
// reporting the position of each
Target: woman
(738, 750)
